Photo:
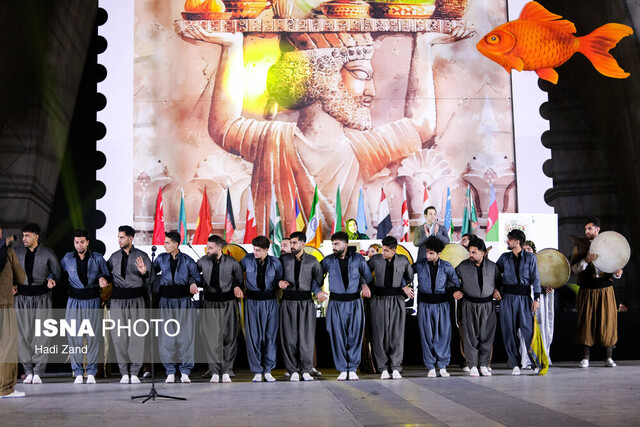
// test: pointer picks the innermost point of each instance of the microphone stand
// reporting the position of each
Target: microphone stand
(153, 393)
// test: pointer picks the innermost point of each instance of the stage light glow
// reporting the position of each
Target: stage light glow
(259, 55)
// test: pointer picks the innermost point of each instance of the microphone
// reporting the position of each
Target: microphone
(194, 251)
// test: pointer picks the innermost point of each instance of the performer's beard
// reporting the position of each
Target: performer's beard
(340, 254)
(348, 109)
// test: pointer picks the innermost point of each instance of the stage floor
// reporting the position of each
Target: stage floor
(567, 396)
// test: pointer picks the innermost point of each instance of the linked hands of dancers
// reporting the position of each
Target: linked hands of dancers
(458, 295)
(103, 282)
(322, 296)
(193, 288)
(496, 295)
(408, 291)
(283, 284)
(366, 292)
(51, 283)
(237, 292)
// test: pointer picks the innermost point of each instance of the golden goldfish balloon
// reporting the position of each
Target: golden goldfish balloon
(541, 41)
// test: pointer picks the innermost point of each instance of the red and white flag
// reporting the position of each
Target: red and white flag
(158, 222)
(250, 228)
(405, 215)
(425, 200)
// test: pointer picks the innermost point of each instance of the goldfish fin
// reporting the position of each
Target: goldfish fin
(596, 46)
(513, 63)
(534, 11)
(548, 74)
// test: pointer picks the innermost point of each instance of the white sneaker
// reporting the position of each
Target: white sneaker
(466, 369)
(396, 375)
(307, 377)
(385, 375)
(257, 378)
(28, 379)
(353, 376)
(295, 377)
(36, 379)
(226, 378)
(146, 375)
(124, 379)
(343, 376)
(315, 372)
(431, 373)
(269, 378)
(184, 379)
(171, 378)
(287, 374)
(15, 393)
(610, 363)
(584, 363)
(516, 371)
(484, 371)
(536, 371)
(444, 373)
(135, 379)
(215, 378)
(91, 379)
(473, 372)
(79, 380)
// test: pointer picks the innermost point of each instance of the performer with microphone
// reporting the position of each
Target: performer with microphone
(34, 300)
(179, 280)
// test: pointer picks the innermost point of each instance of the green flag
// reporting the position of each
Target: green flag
(275, 225)
(469, 217)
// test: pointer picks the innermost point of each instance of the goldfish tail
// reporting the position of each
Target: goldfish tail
(596, 46)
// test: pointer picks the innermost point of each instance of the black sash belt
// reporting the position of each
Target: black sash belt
(478, 300)
(219, 297)
(127, 293)
(32, 290)
(260, 295)
(174, 291)
(596, 283)
(294, 295)
(432, 298)
(516, 289)
(385, 292)
(86, 293)
(344, 297)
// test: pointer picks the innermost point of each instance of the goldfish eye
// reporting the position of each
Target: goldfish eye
(493, 39)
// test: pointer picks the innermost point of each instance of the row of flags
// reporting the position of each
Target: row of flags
(314, 225)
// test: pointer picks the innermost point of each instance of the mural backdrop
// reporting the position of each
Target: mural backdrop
(285, 105)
